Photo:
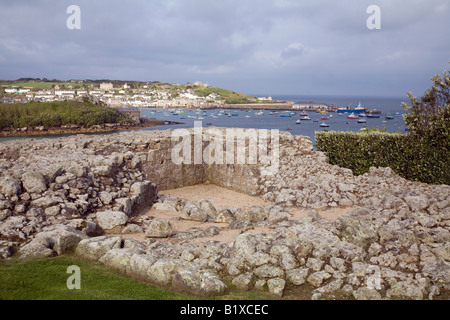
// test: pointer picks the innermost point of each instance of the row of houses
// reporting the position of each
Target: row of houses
(123, 97)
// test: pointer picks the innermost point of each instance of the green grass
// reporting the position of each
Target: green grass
(45, 279)
(229, 96)
(43, 85)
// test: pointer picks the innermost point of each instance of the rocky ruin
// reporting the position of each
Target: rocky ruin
(83, 194)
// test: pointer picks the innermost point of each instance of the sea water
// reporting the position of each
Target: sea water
(249, 119)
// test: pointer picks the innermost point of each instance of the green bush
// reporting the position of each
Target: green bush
(425, 160)
(55, 114)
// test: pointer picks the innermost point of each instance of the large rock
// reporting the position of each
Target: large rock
(365, 293)
(192, 211)
(118, 259)
(200, 282)
(157, 228)
(139, 265)
(34, 182)
(161, 271)
(36, 249)
(359, 230)
(405, 290)
(417, 203)
(10, 187)
(109, 220)
(253, 213)
(297, 276)
(276, 286)
(243, 281)
(67, 241)
(95, 248)
(268, 271)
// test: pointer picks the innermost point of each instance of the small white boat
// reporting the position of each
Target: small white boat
(298, 121)
(362, 120)
(323, 124)
(305, 118)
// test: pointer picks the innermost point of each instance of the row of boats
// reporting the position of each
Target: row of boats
(358, 115)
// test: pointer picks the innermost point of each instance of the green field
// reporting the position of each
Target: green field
(42, 85)
(45, 279)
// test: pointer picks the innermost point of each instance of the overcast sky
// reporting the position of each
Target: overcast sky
(253, 46)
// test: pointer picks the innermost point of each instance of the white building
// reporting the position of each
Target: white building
(106, 86)
(61, 93)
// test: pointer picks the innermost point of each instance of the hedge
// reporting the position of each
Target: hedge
(425, 159)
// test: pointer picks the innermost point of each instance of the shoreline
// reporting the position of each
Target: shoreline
(104, 128)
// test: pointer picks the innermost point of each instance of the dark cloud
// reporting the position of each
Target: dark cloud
(277, 46)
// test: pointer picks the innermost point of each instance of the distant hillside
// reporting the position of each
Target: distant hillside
(199, 89)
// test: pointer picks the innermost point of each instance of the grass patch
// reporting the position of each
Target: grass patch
(45, 279)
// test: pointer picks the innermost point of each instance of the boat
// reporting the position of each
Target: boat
(389, 117)
(352, 116)
(371, 115)
(323, 124)
(260, 113)
(285, 115)
(397, 114)
(303, 114)
(325, 118)
(362, 120)
(298, 121)
(358, 109)
(305, 118)
(363, 115)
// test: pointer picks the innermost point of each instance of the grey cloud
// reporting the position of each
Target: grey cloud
(250, 46)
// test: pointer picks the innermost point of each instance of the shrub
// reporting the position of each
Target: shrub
(55, 114)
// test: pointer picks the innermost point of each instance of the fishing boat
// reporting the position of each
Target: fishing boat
(323, 124)
(298, 121)
(358, 109)
(352, 116)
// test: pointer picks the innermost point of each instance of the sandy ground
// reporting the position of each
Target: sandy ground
(221, 198)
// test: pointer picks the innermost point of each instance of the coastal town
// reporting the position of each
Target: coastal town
(197, 95)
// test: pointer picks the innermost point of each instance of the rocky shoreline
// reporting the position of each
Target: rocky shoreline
(85, 194)
(75, 129)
